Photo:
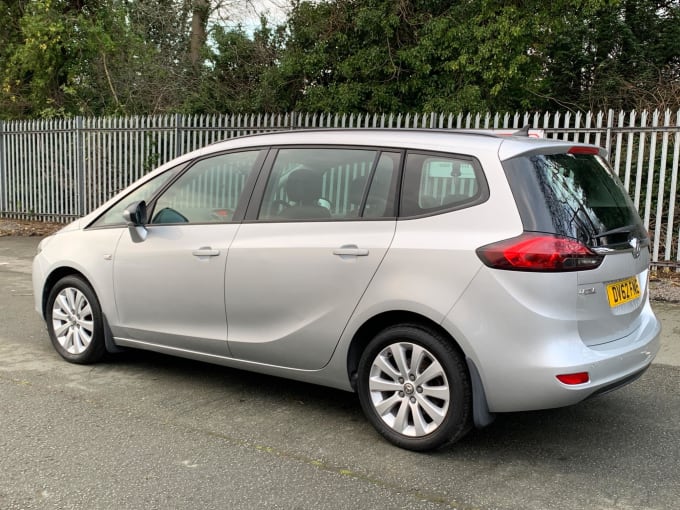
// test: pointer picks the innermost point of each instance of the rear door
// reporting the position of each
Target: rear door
(298, 268)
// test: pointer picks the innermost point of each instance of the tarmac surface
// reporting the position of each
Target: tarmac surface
(150, 431)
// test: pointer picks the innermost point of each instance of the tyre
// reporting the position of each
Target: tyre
(74, 321)
(414, 388)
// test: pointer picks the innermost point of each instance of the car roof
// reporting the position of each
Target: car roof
(455, 141)
(466, 142)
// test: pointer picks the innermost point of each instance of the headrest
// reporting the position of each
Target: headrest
(304, 186)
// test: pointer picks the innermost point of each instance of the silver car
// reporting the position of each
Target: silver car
(443, 276)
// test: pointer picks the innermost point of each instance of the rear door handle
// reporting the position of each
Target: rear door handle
(205, 251)
(351, 249)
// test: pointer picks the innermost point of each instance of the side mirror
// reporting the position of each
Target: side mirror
(135, 217)
(135, 214)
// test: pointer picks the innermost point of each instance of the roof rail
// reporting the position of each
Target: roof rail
(481, 132)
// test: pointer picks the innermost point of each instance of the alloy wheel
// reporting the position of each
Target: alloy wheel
(72, 320)
(409, 389)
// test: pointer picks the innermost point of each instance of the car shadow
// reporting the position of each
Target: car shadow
(589, 437)
(217, 377)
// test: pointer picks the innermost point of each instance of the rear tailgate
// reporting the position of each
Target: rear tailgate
(611, 297)
(572, 192)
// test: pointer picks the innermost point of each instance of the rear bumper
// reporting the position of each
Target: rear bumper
(619, 384)
(520, 352)
(608, 369)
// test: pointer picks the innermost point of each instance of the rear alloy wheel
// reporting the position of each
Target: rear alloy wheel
(74, 321)
(414, 388)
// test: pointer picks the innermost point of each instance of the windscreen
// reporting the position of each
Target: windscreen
(574, 195)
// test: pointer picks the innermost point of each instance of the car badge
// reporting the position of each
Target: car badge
(635, 244)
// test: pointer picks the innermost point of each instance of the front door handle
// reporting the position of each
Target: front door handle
(351, 249)
(205, 251)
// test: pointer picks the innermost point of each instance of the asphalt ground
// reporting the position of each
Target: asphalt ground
(149, 431)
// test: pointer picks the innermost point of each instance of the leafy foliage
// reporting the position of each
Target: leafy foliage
(93, 57)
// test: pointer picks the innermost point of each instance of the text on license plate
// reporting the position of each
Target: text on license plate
(623, 291)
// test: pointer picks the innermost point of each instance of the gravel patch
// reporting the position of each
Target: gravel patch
(665, 286)
(26, 228)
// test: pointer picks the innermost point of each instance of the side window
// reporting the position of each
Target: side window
(114, 216)
(433, 183)
(323, 183)
(208, 192)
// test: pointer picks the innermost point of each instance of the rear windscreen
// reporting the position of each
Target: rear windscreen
(574, 195)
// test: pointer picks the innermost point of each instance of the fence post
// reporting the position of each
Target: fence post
(3, 178)
(178, 133)
(80, 162)
(608, 139)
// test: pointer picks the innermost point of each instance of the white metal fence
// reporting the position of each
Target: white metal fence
(61, 169)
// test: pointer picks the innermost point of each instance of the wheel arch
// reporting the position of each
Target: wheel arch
(61, 272)
(56, 275)
(381, 321)
(482, 417)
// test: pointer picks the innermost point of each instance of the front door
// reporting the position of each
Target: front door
(169, 288)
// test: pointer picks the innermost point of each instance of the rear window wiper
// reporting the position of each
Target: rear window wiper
(635, 229)
(627, 229)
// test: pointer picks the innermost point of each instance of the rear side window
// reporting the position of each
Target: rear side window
(434, 183)
(573, 195)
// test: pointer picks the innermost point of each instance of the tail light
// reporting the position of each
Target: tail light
(538, 252)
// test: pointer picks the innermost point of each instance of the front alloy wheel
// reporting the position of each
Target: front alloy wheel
(74, 321)
(414, 388)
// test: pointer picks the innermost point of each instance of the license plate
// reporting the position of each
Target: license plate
(623, 291)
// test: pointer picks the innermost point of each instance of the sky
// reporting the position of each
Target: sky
(248, 12)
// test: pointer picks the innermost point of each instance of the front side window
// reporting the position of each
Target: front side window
(328, 183)
(434, 183)
(114, 216)
(209, 192)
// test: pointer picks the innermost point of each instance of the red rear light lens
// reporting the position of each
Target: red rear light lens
(577, 378)
(540, 253)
